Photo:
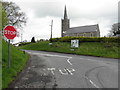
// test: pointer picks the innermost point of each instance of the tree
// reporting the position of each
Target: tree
(3, 18)
(115, 29)
(14, 15)
(33, 39)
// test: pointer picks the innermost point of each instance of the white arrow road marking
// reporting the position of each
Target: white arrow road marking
(68, 60)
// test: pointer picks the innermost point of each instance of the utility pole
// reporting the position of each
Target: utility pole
(51, 30)
(21, 37)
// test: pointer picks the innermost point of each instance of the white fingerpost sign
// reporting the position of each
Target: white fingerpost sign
(74, 43)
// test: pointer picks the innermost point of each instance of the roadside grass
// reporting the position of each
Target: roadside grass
(18, 61)
(98, 49)
(109, 50)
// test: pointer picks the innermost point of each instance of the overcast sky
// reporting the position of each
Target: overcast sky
(80, 12)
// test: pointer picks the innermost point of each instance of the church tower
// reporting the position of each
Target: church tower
(65, 23)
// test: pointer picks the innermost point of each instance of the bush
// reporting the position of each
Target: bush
(24, 43)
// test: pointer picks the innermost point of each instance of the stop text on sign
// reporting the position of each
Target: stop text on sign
(9, 32)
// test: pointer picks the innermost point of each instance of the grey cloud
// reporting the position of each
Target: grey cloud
(43, 9)
(56, 9)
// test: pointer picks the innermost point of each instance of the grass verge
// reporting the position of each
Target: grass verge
(109, 50)
(18, 60)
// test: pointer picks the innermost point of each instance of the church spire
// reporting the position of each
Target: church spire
(65, 13)
(65, 23)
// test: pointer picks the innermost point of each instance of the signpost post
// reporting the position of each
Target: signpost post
(9, 33)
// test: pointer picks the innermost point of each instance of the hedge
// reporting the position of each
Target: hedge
(87, 39)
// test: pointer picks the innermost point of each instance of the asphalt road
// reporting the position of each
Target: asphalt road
(56, 70)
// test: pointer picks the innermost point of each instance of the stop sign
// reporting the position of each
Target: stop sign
(10, 32)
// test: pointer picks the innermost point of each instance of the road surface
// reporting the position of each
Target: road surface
(57, 70)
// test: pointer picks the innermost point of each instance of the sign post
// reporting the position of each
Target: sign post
(9, 53)
(9, 33)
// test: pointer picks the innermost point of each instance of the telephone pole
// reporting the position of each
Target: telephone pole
(51, 30)
(21, 37)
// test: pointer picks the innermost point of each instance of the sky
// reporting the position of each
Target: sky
(80, 12)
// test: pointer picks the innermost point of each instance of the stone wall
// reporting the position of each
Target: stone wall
(84, 34)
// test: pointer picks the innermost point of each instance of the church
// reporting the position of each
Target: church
(81, 31)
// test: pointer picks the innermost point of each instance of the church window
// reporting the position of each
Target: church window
(91, 35)
(84, 34)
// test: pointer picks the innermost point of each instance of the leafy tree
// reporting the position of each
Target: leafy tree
(115, 29)
(33, 39)
(14, 15)
(3, 18)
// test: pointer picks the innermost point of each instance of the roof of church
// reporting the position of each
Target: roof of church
(81, 29)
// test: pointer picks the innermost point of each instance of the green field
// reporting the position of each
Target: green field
(86, 48)
(18, 60)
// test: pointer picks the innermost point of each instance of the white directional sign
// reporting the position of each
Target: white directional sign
(74, 43)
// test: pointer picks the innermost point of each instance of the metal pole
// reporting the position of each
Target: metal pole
(9, 53)
(21, 37)
(51, 30)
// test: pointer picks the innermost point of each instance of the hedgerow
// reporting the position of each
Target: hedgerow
(87, 39)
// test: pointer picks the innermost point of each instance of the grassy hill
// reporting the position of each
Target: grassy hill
(18, 60)
(86, 48)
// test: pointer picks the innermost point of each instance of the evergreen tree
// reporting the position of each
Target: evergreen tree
(33, 39)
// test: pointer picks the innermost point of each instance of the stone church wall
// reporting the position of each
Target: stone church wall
(86, 34)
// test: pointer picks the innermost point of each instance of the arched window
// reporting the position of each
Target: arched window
(84, 34)
(91, 34)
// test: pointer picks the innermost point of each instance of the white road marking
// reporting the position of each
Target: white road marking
(68, 60)
(87, 59)
(66, 73)
(70, 70)
(53, 55)
(82, 58)
(93, 84)
(52, 70)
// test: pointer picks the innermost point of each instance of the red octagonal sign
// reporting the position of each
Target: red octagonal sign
(10, 32)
